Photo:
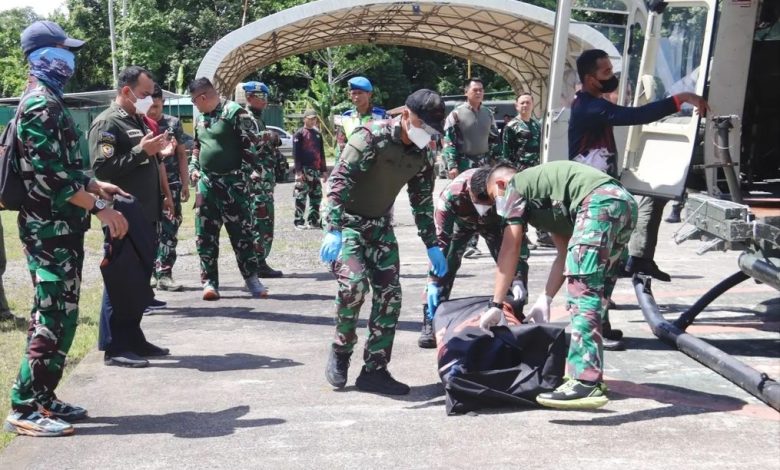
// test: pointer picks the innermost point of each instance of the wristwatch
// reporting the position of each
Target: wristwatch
(492, 304)
(100, 204)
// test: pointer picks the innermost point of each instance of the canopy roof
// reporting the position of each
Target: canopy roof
(510, 37)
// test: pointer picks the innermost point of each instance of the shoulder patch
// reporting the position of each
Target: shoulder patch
(107, 150)
(246, 123)
(106, 137)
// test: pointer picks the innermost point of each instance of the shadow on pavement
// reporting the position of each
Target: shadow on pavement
(300, 297)
(419, 393)
(185, 424)
(747, 346)
(682, 402)
(318, 276)
(228, 362)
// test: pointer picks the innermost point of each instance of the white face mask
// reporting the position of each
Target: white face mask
(418, 136)
(482, 209)
(142, 105)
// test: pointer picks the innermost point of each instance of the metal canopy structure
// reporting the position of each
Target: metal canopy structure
(510, 37)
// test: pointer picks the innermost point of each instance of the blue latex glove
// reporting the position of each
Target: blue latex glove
(432, 294)
(331, 246)
(438, 261)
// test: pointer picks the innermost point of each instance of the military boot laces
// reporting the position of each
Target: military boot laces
(380, 381)
(337, 369)
(427, 340)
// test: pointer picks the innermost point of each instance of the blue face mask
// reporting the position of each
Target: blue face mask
(53, 65)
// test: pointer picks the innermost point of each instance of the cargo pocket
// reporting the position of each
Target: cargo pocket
(49, 290)
(587, 251)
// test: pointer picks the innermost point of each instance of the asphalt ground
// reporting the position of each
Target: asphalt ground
(245, 386)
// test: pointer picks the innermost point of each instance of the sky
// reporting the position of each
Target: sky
(42, 7)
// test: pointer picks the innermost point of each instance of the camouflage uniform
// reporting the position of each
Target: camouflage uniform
(169, 227)
(262, 186)
(457, 143)
(225, 139)
(571, 198)
(358, 207)
(309, 155)
(52, 232)
(520, 143)
(456, 223)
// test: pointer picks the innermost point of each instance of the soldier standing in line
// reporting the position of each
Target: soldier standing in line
(124, 151)
(460, 214)
(52, 222)
(360, 244)
(590, 217)
(468, 133)
(262, 184)
(310, 167)
(175, 161)
(225, 139)
(520, 144)
(362, 113)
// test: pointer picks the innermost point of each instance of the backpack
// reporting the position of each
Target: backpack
(12, 189)
(509, 369)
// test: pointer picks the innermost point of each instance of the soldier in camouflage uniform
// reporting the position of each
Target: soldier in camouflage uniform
(459, 215)
(309, 156)
(262, 184)
(52, 222)
(591, 217)
(362, 114)
(360, 244)
(225, 139)
(469, 134)
(175, 161)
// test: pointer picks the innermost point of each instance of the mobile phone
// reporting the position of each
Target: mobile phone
(169, 134)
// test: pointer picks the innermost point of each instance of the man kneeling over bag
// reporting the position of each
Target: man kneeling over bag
(591, 217)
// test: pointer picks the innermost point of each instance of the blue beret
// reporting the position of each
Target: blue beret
(256, 87)
(360, 83)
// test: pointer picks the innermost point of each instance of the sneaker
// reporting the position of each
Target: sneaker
(167, 283)
(574, 395)
(210, 293)
(612, 333)
(300, 227)
(125, 359)
(37, 425)
(646, 266)
(544, 239)
(267, 271)
(613, 344)
(314, 226)
(65, 411)
(256, 288)
(157, 304)
(153, 282)
(427, 340)
(380, 381)
(337, 368)
(472, 252)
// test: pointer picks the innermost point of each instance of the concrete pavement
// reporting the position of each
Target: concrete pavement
(245, 386)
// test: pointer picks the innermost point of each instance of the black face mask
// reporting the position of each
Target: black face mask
(609, 85)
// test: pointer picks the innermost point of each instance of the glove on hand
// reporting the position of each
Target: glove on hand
(438, 261)
(432, 294)
(331, 246)
(540, 312)
(519, 292)
(491, 317)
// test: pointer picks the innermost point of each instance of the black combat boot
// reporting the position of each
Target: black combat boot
(266, 271)
(646, 266)
(674, 216)
(338, 367)
(612, 339)
(380, 381)
(427, 340)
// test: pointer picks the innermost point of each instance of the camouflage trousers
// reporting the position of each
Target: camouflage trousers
(262, 205)
(169, 228)
(368, 258)
(55, 267)
(309, 185)
(466, 162)
(462, 235)
(223, 200)
(602, 229)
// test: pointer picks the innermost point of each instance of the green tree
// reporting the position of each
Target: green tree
(13, 67)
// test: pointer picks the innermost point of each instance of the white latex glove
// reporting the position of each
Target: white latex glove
(491, 317)
(519, 291)
(540, 312)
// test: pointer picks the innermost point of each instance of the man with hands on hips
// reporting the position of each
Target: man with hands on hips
(590, 217)
(360, 244)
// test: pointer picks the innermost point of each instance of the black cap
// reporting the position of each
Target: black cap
(428, 106)
(46, 34)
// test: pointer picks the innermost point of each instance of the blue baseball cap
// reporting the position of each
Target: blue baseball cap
(256, 87)
(46, 34)
(360, 83)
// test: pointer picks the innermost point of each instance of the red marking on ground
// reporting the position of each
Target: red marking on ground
(726, 405)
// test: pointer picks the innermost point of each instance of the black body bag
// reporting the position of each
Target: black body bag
(509, 369)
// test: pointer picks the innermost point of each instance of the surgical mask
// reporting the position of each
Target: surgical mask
(53, 65)
(501, 208)
(142, 105)
(482, 209)
(418, 136)
(609, 85)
